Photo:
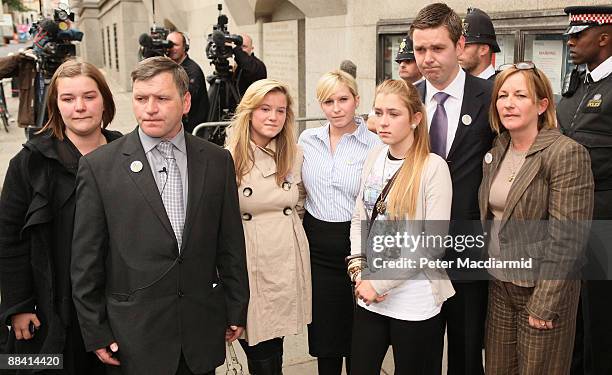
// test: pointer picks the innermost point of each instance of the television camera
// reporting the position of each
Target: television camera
(223, 94)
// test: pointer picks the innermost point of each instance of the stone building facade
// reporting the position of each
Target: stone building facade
(301, 39)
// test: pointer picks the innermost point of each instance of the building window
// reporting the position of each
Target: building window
(390, 46)
(108, 44)
(116, 47)
(506, 55)
(103, 48)
(550, 54)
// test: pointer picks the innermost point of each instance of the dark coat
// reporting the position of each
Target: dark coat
(36, 211)
(585, 116)
(199, 96)
(250, 69)
(465, 312)
(130, 282)
(471, 143)
(469, 146)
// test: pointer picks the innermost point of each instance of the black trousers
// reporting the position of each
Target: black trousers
(594, 357)
(465, 315)
(183, 369)
(264, 349)
(417, 345)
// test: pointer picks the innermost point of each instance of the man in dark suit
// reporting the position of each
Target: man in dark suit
(457, 108)
(158, 259)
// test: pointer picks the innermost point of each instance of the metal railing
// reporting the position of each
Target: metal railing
(301, 121)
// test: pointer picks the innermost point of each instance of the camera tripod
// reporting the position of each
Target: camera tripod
(223, 97)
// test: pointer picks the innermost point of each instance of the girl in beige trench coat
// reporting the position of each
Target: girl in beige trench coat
(268, 168)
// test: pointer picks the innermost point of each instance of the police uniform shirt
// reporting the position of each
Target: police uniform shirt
(487, 73)
(586, 117)
(602, 71)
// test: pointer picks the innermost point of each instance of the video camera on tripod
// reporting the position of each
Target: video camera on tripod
(53, 44)
(223, 94)
(154, 43)
(53, 39)
(217, 50)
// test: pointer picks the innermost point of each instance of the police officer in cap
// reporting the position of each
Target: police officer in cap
(480, 44)
(585, 114)
(408, 70)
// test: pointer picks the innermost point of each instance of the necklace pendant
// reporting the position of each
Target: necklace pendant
(511, 178)
(381, 207)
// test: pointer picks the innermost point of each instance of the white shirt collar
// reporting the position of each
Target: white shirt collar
(454, 89)
(361, 133)
(148, 142)
(488, 72)
(602, 71)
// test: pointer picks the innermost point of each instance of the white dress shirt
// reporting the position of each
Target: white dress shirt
(452, 105)
(487, 73)
(602, 71)
(332, 180)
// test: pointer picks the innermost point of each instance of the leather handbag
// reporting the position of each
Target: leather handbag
(234, 367)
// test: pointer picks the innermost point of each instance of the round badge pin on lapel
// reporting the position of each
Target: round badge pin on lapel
(466, 119)
(136, 166)
(488, 158)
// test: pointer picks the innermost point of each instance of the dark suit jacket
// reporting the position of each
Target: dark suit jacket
(131, 285)
(250, 69)
(553, 194)
(464, 160)
(469, 146)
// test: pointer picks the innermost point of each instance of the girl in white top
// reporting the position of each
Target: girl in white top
(403, 313)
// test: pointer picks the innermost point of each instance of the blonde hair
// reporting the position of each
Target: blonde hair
(402, 199)
(329, 82)
(239, 142)
(538, 87)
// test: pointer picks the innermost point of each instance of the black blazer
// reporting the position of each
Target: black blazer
(36, 223)
(464, 160)
(131, 285)
(470, 145)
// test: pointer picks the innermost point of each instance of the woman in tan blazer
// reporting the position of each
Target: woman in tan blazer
(537, 188)
(268, 165)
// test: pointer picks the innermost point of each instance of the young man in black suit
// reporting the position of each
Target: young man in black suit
(457, 110)
(158, 258)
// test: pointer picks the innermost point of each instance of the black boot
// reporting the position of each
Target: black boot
(269, 366)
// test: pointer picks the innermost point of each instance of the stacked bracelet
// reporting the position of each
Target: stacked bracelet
(355, 264)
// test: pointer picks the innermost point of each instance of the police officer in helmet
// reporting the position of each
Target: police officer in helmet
(480, 44)
(585, 114)
(408, 70)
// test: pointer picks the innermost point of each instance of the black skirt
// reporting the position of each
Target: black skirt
(329, 334)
